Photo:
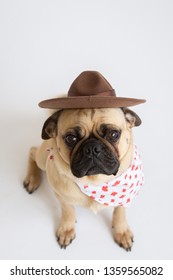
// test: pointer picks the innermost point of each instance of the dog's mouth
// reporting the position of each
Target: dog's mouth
(93, 171)
(92, 158)
(88, 168)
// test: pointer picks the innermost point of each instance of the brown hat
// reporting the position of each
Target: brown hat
(90, 90)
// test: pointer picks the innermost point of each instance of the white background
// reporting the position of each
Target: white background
(44, 45)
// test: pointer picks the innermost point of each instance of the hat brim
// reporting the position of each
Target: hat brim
(86, 102)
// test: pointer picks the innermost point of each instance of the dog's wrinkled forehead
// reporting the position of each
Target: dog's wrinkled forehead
(91, 119)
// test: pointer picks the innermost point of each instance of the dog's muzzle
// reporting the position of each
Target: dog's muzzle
(94, 157)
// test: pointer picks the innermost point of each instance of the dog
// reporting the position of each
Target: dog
(83, 150)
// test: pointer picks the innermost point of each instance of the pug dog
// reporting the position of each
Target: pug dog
(87, 154)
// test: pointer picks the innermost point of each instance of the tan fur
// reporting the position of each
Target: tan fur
(64, 183)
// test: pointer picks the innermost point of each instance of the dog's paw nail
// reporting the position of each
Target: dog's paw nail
(25, 184)
(128, 249)
(30, 192)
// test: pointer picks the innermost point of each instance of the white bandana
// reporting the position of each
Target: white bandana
(121, 190)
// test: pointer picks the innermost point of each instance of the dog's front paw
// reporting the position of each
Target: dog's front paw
(124, 238)
(32, 182)
(65, 236)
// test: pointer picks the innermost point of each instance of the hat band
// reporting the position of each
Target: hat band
(104, 93)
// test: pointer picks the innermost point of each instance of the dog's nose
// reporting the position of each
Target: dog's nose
(91, 149)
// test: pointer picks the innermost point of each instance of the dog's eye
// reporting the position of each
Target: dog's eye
(70, 140)
(113, 135)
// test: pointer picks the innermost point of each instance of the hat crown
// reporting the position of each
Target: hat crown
(90, 83)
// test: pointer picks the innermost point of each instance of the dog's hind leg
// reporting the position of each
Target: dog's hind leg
(121, 231)
(33, 177)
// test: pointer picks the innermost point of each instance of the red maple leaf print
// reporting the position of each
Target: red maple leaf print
(105, 188)
(122, 196)
(116, 183)
(113, 193)
(133, 166)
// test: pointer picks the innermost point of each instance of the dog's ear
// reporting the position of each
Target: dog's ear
(131, 117)
(49, 129)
